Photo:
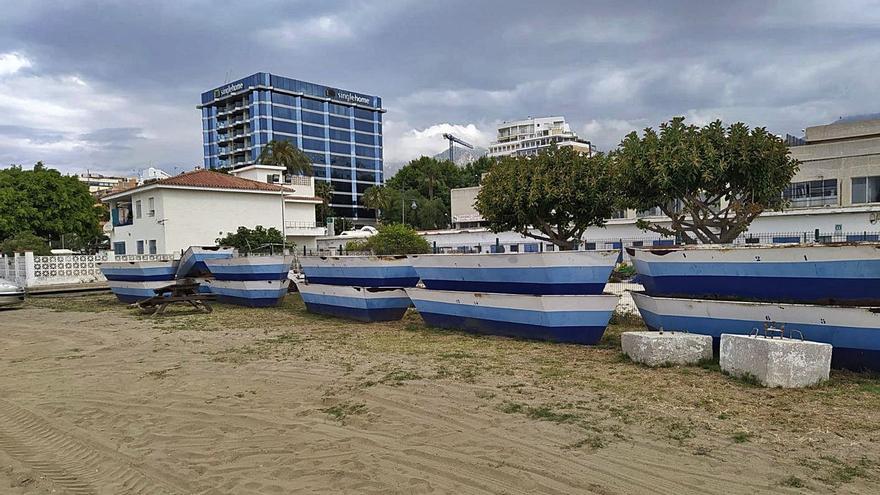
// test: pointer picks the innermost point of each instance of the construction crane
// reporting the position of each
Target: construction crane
(452, 140)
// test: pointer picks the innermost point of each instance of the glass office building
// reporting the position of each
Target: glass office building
(340, 130)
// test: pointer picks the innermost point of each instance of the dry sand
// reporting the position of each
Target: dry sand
(94, 399)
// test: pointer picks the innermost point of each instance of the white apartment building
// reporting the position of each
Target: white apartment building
(836, 191)
(527, 137)
(196, 208)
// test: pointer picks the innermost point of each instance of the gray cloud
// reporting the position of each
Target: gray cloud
(115, 85)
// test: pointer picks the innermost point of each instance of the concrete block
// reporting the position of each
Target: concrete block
(776, 362)
(657, 349)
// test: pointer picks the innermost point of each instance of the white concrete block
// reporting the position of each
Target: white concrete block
(776, 362)
(657, 349)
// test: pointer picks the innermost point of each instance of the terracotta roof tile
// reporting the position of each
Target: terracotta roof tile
(216, 180)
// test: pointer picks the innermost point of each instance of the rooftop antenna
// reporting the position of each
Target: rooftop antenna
(452, 140)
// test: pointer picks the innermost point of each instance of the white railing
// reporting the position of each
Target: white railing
(39, 271)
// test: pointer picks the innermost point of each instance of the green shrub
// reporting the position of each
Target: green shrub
(393, 239)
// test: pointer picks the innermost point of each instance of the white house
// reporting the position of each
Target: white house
(196, 208)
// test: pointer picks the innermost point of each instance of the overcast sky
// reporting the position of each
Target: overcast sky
(112, 86)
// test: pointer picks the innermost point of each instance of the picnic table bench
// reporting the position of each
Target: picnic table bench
(182, 291)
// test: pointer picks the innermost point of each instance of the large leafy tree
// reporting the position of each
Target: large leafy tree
(284, 154)
(48, 205)
(553, 196)
(711, 181)
(425, 182)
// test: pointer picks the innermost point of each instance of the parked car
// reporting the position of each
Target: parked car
(11, 295)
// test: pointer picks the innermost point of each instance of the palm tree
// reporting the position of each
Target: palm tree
(285, 154)
(324, 190)
(379, 198)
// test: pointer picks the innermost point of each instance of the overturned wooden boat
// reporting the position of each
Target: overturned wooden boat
(359, 271)
(192, 263)
(359, 303)
(256, 281)
(580, 319)
(854, 332)
(843, 273)
(131, 281)
(548, 273)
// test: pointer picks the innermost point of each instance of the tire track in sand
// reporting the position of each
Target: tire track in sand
(75, 465)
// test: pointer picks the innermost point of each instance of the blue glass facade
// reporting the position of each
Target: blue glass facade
(340, 130)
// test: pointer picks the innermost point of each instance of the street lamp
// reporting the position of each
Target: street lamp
(403, 209)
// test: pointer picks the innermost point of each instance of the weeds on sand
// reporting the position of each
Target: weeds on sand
(741, 436)
(793, 482)
(397, 377)
(345, 409)
(595, 442)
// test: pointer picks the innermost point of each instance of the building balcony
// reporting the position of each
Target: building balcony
(232, 110)
(234, 123)
(304, 229)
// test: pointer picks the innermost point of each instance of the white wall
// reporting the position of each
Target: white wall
(144, 228)
(198, 218)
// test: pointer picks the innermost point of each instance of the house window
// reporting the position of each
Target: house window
(152, 246)
(866, 189)
(151, 207)
(119, 248)
(140, 247)
(137, 209)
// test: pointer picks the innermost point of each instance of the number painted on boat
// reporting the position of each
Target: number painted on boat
(822, 320)
(757, 258)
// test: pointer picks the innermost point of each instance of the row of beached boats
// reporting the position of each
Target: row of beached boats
(256, 281)
(826, 292)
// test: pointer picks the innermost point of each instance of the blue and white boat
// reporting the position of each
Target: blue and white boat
(249, 268)
(253, 293)
(358, 303)
(359, 271)
(139, 271)
(256, 281)
(577, 319)
(549, 273)
(192, 263)
(130, 292)
(854, 332)
(132, 281)
(841, 274)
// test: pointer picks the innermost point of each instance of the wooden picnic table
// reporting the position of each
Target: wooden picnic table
(182, 291)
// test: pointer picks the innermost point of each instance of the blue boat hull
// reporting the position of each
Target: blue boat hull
(510, 287)
(811, 274)
(357, 303)
(804, 290)
(192, 263)
(579, 319)
(550, 273)
(360, 314)
(856, 345)
(588, 335)
(360, 271)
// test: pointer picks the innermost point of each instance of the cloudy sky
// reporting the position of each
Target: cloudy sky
(112, 86)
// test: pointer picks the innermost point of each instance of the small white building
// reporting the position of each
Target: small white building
(529, 136)
(196, 208)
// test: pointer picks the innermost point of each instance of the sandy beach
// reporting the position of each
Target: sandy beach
(97, 399)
